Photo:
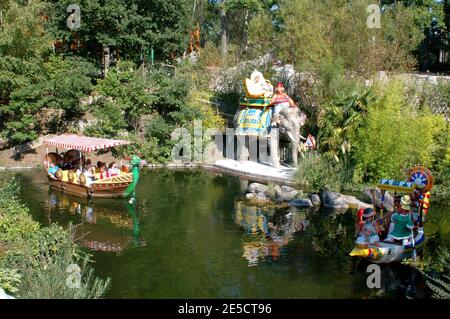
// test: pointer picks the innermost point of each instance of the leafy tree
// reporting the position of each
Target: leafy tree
(22, 32)
(394, 137)
(313, 31)
(125, 99)
(58, 85)
(128, 28)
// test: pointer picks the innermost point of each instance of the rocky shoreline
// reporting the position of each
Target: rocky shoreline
(287, 195)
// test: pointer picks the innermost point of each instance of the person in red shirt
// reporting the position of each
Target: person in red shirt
(281, 100)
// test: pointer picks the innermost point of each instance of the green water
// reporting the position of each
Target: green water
(191, 236)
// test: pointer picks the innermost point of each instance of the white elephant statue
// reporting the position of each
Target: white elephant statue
(286, 125)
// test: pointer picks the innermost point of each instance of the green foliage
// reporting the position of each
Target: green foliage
(261, 34)
(147, 148)
(56, 85)
(342, 116)
(316, 30)
(34, 260)
(394, 137)
(22, 32)
(129, 28)
(123, 101)
(51, 281)
(10, 280)
(15, 222)
(318, 173)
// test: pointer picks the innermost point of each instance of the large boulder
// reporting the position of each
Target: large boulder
(256, 197)
(284, 193)
(302, 203)
(315, 199)
(257, 188)
(388, 198)
(334, 200)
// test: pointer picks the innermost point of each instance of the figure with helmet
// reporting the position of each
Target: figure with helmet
(367, 231)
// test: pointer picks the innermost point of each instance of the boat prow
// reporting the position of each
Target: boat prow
(385, 252)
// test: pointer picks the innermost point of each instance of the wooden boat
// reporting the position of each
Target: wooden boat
(420, 181)
(119, 186)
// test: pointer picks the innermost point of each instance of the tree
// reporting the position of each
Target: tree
(22, 32)
(430, 18)
(128, 28)
(313, 31)
(56, 85)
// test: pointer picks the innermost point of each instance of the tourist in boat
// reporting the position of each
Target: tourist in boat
(52, 170)
(103, 170)
(89, 172)
(401, 222)
(281, 100)
(367, 230)
(112, 169)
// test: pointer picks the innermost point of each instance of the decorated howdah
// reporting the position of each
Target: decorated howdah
(254, 122)
(388, 236)
(256, 115)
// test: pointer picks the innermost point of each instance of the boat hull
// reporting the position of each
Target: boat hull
(95, 191)
(384, 253)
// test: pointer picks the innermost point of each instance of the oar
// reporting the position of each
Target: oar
(413, 241)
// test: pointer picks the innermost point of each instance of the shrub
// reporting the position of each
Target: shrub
(317, 173)
(52, 278)
(394, 136)
(34, 260)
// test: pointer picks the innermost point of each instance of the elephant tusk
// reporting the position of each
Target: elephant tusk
(291, 137)
(303, 138)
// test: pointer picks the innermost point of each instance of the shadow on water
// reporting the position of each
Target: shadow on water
(192, 235)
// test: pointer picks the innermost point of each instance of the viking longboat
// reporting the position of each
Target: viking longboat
(121, 185)
(420, 182)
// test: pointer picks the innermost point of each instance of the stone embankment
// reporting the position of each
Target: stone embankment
(261, 193)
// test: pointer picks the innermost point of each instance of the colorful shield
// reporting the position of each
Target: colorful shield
(422, 177)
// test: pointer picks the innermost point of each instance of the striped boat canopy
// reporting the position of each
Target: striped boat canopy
(396, 186)
(83, 143)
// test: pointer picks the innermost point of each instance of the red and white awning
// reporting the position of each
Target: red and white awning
(83, 143)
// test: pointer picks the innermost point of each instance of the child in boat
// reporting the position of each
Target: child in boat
(88, 171)
(103, 171)
(52, 170)
(367, 231)
(112, 169)
(401, 222)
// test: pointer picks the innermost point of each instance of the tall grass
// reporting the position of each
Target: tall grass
(316, 173)
(41, 262)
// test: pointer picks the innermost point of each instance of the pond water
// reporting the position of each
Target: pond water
(190, 235)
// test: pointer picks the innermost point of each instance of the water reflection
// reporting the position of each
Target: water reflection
(202, 242)
(267, 230)
(103, 226)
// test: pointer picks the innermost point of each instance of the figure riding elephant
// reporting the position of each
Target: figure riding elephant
(287, 123)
